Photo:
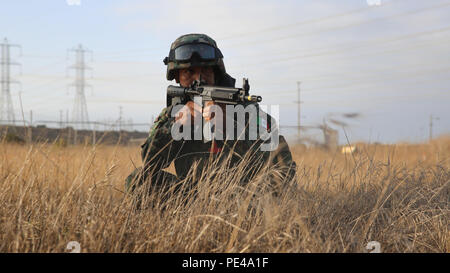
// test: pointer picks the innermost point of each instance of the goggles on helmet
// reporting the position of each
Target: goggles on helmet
(185, 52)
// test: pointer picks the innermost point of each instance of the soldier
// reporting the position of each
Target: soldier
(195, 57)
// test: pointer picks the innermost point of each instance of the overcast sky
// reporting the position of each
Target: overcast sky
(390, 63)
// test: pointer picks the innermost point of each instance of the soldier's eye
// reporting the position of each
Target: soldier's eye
(187, 72)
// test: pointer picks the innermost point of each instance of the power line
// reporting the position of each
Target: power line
(150, 51)
(346, 46)
(118, 100)
(362, 80)
(307, 89)
(6, 105)
(276, 39)
(80, 112)
(393, 78)
(45, 67)
(358, 99)
(365, 44)
(402, 49)
(269, 29)
(431, 126)
(305, 22)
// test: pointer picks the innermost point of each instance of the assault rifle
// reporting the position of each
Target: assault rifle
(219, 94)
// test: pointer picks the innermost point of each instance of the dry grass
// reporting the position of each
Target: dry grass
(398, 195)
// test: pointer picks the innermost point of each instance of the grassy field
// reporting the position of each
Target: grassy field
(397, 195)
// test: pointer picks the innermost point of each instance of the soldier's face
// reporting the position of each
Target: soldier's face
(187, 76)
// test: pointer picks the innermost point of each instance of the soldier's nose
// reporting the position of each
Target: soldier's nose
(197, 76)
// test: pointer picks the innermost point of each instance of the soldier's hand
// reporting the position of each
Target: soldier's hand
(210, 110)
(192, 110)
(189, 111)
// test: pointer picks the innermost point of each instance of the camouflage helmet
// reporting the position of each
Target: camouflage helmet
(196, 60)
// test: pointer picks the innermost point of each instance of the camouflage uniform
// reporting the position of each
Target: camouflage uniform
(159, 150)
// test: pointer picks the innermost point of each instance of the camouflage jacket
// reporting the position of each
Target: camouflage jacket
(160, 150)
